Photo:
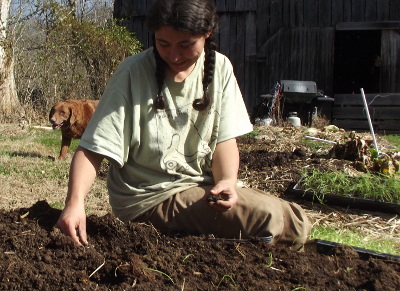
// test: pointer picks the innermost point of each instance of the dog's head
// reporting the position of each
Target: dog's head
(61, 115)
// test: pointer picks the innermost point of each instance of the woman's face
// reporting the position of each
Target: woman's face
(180, 50)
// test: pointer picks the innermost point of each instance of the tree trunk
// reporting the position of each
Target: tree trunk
(9, 104)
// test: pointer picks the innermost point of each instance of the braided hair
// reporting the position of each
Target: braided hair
(197, 17)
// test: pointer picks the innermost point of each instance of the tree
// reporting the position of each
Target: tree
(8, 94)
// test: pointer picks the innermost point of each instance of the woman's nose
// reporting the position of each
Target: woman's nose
(175, 55)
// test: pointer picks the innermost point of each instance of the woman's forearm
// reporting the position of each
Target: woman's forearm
(83, 170)
(225, 163)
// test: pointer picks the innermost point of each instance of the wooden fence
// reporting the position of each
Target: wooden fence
(349, 112)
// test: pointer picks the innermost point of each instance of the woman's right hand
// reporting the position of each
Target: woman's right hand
(72, 222)
(83, 169)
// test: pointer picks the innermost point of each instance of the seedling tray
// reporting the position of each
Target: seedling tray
(346, 201)
(326, 247)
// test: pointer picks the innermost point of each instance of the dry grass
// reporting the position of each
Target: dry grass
(28, 173)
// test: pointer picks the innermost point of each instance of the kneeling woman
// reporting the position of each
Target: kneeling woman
(167, 122)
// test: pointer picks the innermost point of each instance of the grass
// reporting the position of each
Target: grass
(356, 239)
(394, 140)
(29, 172)
(254, 133)
(316, 146)
(366, 186)
(52, 139)
(369, 186)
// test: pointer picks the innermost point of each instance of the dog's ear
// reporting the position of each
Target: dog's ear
(51, 113)
(72, 113)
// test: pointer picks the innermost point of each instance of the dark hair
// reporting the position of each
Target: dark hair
(197, 17)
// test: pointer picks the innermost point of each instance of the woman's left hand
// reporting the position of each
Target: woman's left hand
(225, 196)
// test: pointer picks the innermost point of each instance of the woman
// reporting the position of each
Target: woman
(167, 122)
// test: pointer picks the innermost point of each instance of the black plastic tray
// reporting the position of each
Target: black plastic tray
(346, 201)
(326, 247)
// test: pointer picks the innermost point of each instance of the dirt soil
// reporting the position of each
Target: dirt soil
(36, 256)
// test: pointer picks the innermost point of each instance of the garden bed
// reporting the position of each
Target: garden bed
(132, 256)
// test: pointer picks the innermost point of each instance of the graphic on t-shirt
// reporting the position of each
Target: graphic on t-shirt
(178, 157)
(176, 161)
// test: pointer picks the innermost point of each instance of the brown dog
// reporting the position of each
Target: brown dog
(72, 116)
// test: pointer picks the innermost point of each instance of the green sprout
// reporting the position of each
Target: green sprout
(270, 261)
(162, 273)
(186, 257)
(226, 276)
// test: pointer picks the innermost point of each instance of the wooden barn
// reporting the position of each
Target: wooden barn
(341, 45)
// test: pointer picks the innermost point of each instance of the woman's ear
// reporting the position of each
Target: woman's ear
(208, 34)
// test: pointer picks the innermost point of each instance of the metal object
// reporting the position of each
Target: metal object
(304, 97)
(257, 239)
(299, 91)
(320, 139)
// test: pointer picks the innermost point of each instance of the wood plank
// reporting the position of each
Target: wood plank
(276, 16)
(372, 99)
(296, 13)
(337, 11)
(383, 25)
(325, 13)
(347, 11)
(394, 10)
(311, 13)
(251, 34)
(240, 45)
(357, 10)
(230, 5)
(148, 4)
(224, 35)
(376, 113)
(326, 54)
(262, 21)
(371, 10)
(381, 126)
(310, 53)
(390, 67)
(286, 13)
(220, 5)
(383, 10)
(240, 5)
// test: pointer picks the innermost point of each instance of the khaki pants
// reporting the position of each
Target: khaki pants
(257, 214)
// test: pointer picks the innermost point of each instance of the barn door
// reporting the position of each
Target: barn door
(390, 61)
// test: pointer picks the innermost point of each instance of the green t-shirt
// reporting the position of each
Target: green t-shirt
(156, 153)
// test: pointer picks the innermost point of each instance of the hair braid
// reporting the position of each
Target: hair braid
(159, 102)
(209, 66)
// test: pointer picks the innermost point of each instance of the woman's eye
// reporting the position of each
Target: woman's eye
(186, 46)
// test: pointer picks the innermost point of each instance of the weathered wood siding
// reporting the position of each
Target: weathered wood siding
(269, 40)
(349, 112)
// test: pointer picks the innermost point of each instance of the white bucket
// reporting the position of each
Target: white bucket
(294, 120)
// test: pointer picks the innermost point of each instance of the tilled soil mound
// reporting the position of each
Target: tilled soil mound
(36, 256)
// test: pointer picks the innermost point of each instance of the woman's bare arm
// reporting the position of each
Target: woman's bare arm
(83, 170)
